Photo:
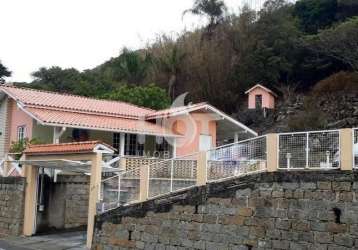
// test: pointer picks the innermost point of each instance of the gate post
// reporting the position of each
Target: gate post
(95, 182)
(31, 175)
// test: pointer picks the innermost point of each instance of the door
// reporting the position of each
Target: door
(205, 142)
(258, 101)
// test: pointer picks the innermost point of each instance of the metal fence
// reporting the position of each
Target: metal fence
(237, 159)
(120, 189)
(172, 175)
(311, 150)
(355, 147)
(317, 149)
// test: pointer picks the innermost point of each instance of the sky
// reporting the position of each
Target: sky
(83, 33)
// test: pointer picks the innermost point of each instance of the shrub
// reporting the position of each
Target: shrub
(341, 81)
(19, 147)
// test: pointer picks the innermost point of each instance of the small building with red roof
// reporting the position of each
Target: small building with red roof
(260, 97)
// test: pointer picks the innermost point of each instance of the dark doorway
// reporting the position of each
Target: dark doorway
(258, 101)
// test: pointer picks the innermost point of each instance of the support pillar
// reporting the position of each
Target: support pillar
(272, 152)
(201, 168)
(346, 149)
(236, 137)
(174, 147)
(31, 175)
(95, 182)
(122, 141)
(144, 183)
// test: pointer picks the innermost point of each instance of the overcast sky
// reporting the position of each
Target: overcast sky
(83, 33)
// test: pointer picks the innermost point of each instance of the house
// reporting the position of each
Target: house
(133, 131)
(261, 97)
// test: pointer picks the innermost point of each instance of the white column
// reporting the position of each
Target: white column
(236, 137)
(122, 140)
(174, 147)
(57, 133)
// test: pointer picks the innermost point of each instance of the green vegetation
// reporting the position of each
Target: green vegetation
(18, 147)
(4, 72)
(149, 96)
(280, 46)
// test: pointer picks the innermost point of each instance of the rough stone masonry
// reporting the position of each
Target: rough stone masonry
(12, 198)
(282, 210)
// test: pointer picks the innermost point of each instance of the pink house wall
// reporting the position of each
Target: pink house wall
(268, 100)
(19, 118)
(192, 127)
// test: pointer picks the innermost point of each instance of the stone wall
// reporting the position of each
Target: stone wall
(67, 203)
(281, 210)
(12, 198)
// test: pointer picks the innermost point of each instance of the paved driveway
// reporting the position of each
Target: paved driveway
(59, 241)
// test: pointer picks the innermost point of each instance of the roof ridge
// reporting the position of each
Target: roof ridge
(73, 95)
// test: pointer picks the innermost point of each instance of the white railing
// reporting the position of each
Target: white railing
(310, 150)
(14, 168)
(112, 163)
(296, 150)
(2, 167)
(355, 148)
(172, 175)
(120, 189)
(244, 157)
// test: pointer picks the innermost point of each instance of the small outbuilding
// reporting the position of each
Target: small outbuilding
(261, 97)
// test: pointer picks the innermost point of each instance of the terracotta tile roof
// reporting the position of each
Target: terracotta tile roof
(175, 110)
(45, 99)
(75, 147)
(56, 109)
(99, 122)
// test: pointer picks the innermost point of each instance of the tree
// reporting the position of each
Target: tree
(58, 79)
(168, 58)
(316, 14)
(267, 47)
(130, 67)
(150, 96)
(213, 10)
(4, 72)
(339, 43)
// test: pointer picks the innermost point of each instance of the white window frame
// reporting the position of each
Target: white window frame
(21, 133)
(132, 146)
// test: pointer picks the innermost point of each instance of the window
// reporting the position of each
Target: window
(258, 101)
(132, 145)
(116, 143)
(21, 133)
(162, 146)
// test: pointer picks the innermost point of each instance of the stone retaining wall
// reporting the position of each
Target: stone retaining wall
(281, 210)
(12, 198)
(68, 205)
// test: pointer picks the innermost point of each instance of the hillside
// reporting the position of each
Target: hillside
(299, 46)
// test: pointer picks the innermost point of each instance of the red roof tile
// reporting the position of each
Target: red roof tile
(47, 99)
(99, 122)
(56, 109)
(75, 147)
